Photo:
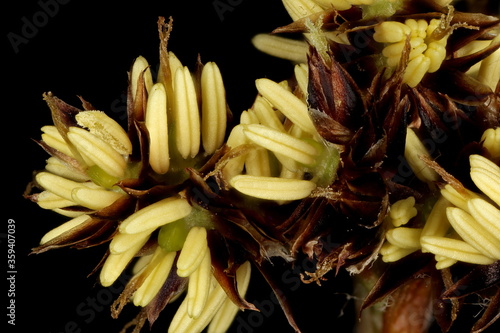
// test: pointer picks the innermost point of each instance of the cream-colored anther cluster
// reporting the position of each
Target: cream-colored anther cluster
(462, 225)
(282, 144)
(426, 54)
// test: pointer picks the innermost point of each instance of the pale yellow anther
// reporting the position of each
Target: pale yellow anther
(248, 117)
(437, 224)
(257, 163)
(287, 103)
(235, 166)
(486, 176)
(236, 137)
(174, 63)
(454, 249)
(94, 198)
(98, 151)
(436, 54)
(273, 188)
(163, 263)
(155, 215)
(416, 70)
(489, 72)
(405, 238)
(54, 139)
(116, 263)
(186, 114)
(392, 253)
(393, 53)
(491, 141)
(456, 198)
(139, 67)
(302, 77)
(106, 129)
(280, 47)
(183, 323)
(213, 114)
(426, 53)
(391, 32)
(157, 124)
(473, 232)
(266, 114)
(199, 287)
(49, 200)
(58, 185)
(444, 262)
(122, 242)
(63, 228)
(193, 251)
(414, 148)
(487, 215)
(402, 211)
(65, 170)
(224, 317)
(281, 143)
(142, 264)
(418, 27)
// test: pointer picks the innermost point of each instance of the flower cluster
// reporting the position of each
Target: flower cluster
(384, 143)
(285, 158)
(427, 50)
(98, 174)
(461, 224)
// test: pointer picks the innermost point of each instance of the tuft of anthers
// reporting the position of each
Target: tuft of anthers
(287, 158)
(98, 178)
(427, 51)
(462, 225)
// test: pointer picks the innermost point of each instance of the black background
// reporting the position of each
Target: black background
(86, 48)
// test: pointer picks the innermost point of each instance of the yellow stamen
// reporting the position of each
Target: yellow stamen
(106, 129)
(281, 143)
(405, 238)
(280, 47)
(94, 198)
(213, 96)
(273, 188)
(454, 249)
(414, 148)
(157, 125)
(193, 251)
(486, 176)
(49, 200)
(286, 102)
(98, 151)
(122, 242)
(199, 287)
(63, 228)
(162, 263)
(186, 113)
(473, 233)
(402, 211)
(116, 263)
(437, 223)
(155, 215)
(224, 317)
(183, 323)
(140, 66)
